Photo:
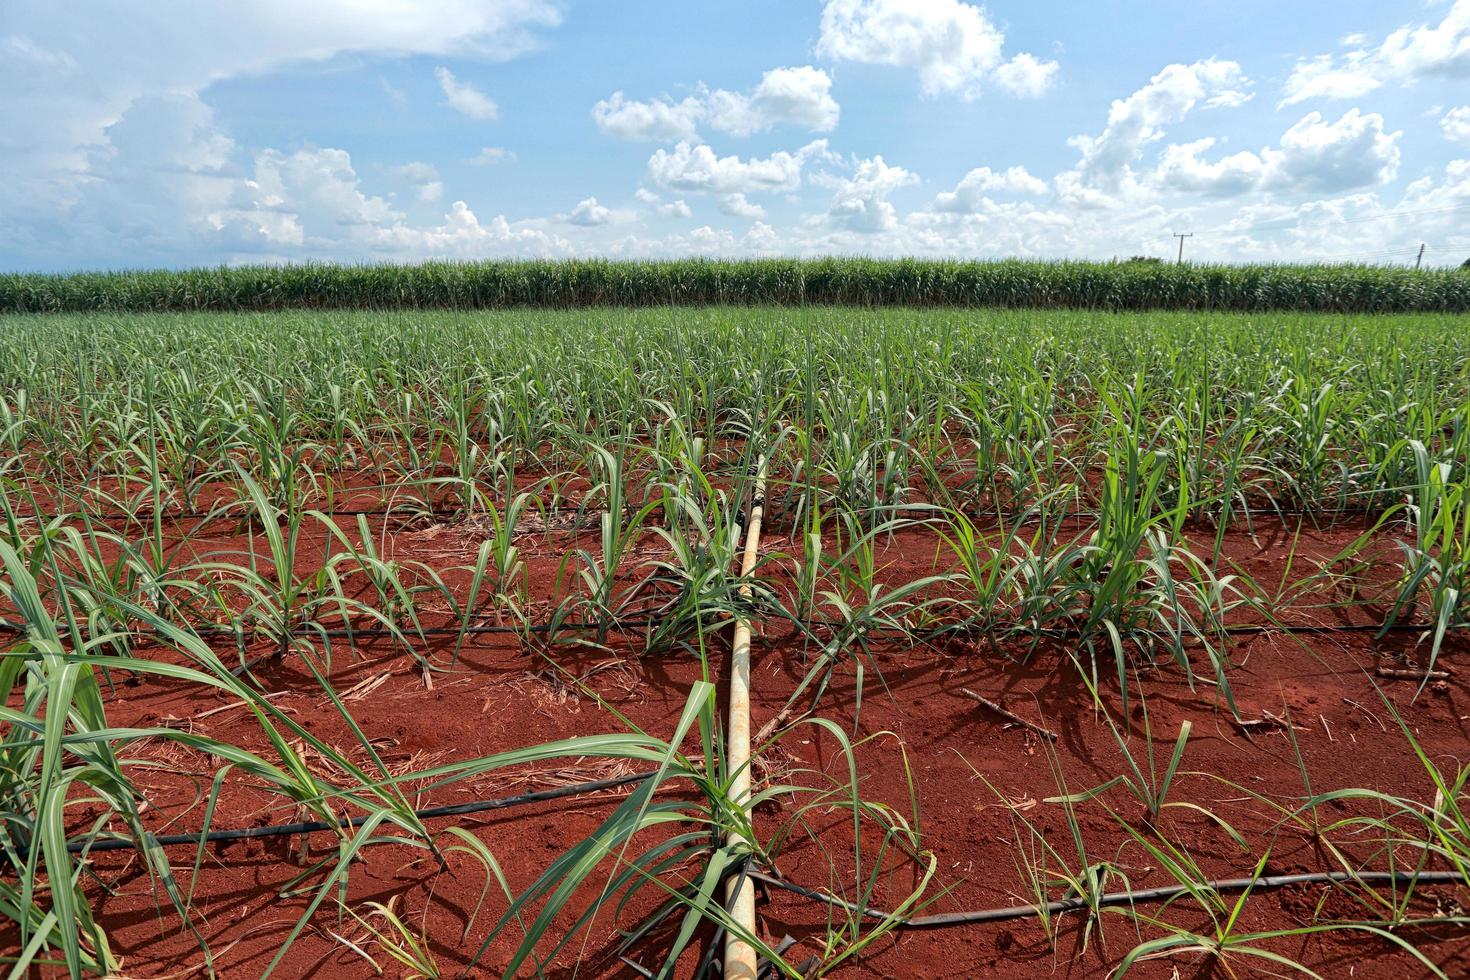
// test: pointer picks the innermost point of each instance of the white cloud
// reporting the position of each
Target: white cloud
(1455, 124)
(1315, 156)
(71, 71)
(656, 204)
(860, 202)
(164, 179)
(463, 236)
(1026, 76)
(588, 213)
(491, 155)
(954, 46)
(736, 206)
(1139, 119)
(795, 96)
(418, 172)
(317, 188)
(798, 96)
(1407, 54)
(112, 157)
(1181, 168)
(660, 119)
(970, 194)
(425, 179)
(167, 186)
(464, 98)
(1320, 156)
(696, 169)
(1327, 77)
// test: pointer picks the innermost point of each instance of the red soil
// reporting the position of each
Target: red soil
(498, 696)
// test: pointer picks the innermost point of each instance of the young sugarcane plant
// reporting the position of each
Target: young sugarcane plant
(1146, 782)
(1438, 558)
(1052, 873)
(619, 530)
(697, 585)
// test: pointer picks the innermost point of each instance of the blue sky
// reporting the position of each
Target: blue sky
(185, 133)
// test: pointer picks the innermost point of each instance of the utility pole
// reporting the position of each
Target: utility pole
(1181, 238)
(1420, 260)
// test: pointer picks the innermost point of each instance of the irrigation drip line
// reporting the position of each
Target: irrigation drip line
(410, 512)
(1003, 630)
(407, 512)
(315, 826)
(1167, 893)
(1250, 629)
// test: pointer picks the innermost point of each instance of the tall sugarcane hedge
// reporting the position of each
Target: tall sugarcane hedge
(790, 282)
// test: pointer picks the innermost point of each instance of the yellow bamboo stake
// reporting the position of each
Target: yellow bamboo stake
(740, 958)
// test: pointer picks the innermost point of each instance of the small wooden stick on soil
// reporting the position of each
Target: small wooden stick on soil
(1010, 716)
(1267, 720)
(769, 728)
(1400, 674)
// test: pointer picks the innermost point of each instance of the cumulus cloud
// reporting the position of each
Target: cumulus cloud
(168, 186)
(1407, 54)
(659, 119)
(318, 192)
(798, 96)
(425, 179)
(971, 192)
(164, 178)
(72, 72)
(112, 157)
(1455, 124)
(662, 208)
(588, 213)
(954, 46)
(1139, 119)
(1182, 167)
(1026, 76)
(694, 168)
(1314, 156)
(736, 206)
(463, 236)
(860, 202)
(795, 96)
(1321, 156)
(464, 98)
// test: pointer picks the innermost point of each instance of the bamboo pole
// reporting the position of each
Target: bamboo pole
(740, 958)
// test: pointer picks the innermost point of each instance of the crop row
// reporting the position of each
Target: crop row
(1069, 479)
(859, 410)
(1132, 285)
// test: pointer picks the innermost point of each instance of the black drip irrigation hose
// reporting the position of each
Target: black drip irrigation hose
(1164, 894)
(314, 826)
(626, 625)
(412, 512)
